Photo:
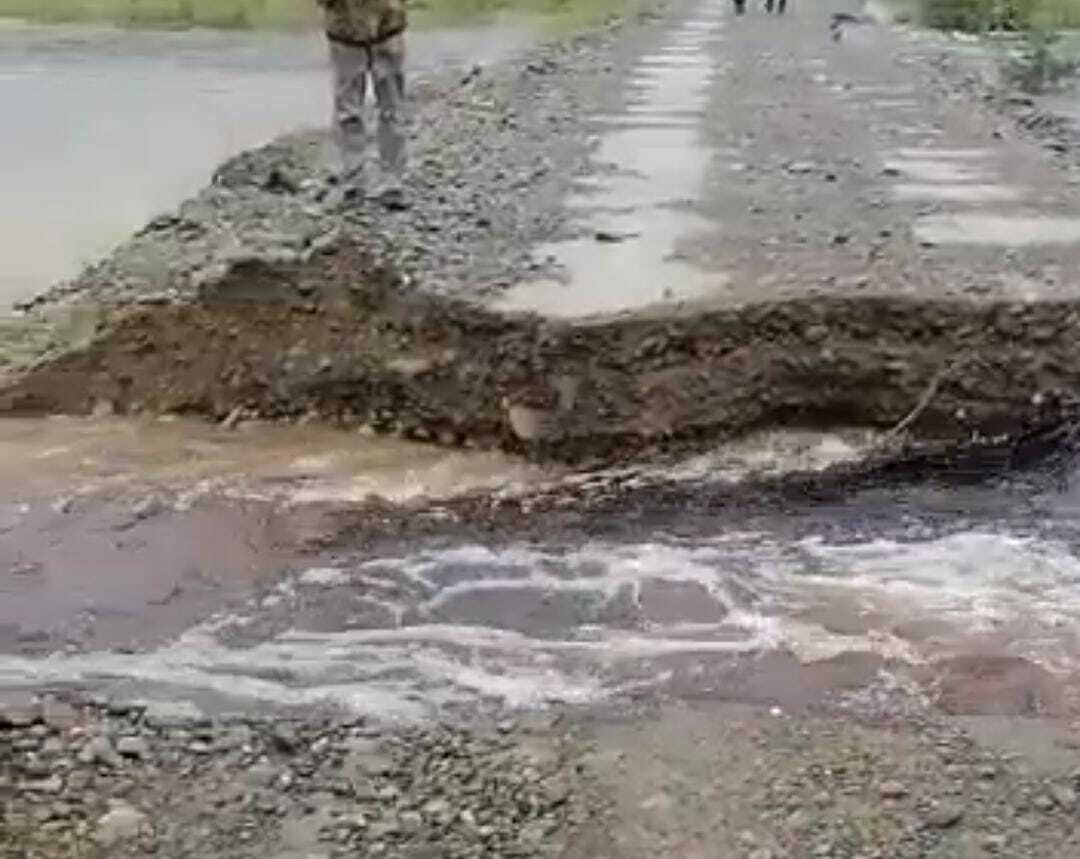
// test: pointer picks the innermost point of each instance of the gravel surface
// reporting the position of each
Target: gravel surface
(734, 781)
(132, 778)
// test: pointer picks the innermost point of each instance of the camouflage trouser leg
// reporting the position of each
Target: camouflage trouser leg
(385, 64)
(350, 67)
(388, 75)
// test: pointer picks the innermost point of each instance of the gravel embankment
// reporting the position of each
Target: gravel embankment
(493, 152)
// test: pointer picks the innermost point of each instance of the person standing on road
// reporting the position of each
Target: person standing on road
(367, 41)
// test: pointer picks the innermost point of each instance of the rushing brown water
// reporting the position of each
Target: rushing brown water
(171, 553)
(112, 458)
(102, 521)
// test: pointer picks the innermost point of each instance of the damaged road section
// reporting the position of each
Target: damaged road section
(334, 338)
(258, 299)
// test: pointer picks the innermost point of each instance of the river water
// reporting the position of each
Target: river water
(106, 128)
(178, 559)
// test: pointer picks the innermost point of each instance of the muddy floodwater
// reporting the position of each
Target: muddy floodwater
(105, 128)
(177, 555)
(110, 516)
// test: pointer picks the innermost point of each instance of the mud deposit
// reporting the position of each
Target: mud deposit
(426, 368)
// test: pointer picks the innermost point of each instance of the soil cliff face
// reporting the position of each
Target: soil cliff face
(337, 339)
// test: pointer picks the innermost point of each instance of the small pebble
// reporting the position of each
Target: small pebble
(945, 815)
(892, 790)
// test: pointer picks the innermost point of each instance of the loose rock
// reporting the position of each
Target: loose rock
(123, 823)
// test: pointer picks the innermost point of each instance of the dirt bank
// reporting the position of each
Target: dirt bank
(335, 340)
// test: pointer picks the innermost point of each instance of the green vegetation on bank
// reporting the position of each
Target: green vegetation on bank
(560, 14)
(166, 13)
(288, 14)
(986, 15)
(1036, 39)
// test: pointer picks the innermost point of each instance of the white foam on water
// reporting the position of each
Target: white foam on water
(407, 672)
(380, 679)
(773, 452)
(979, 578)
(1016, 594)
(809, 597)
(324, 577)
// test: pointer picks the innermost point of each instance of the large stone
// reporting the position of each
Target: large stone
(365, 757)
(1064, 795)
(285, 739)
(51, 785)
(20, 713)
(133, 747)
(123, 823)
(532, 424)
(60, 716)
(172, 714)
(945, 815)
(99, 751)
(892, 790)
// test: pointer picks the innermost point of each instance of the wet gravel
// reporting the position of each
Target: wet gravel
(494, 152)
(872, 774)
(120, 778)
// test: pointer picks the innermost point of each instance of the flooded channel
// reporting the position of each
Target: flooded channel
(168, 558)
(116, 529)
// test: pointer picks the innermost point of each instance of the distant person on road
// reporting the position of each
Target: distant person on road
(367, 41)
